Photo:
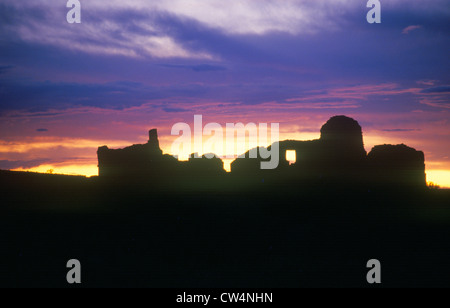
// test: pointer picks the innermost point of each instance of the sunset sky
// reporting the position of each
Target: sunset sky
(66, 89)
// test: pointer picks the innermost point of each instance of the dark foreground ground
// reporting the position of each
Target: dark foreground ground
(233, 236)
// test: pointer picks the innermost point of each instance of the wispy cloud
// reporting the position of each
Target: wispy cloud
(197, 67)
(427, 82)
(408, 29)
(141, 29)
(104, 31)
(400, 130)
(24, 164)
(357, 93)
(438, 97)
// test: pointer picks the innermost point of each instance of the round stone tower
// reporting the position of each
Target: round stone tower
(343, 139)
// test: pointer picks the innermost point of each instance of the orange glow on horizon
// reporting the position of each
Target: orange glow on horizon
(438, 177)
(83, 170)
(438, 173)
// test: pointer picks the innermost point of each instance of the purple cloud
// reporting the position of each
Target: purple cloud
(408, 29)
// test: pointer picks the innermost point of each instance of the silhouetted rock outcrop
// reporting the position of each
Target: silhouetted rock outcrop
(147, 161)
(337, 158)
(204, 166)
(342, 142)
(343, 130)
(396, 164)
(339, 154)
(153, 142)
(136, 160)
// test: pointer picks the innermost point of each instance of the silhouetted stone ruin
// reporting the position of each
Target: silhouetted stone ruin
(148, 161)
(338, 157)
(397, 164)
(338, 153)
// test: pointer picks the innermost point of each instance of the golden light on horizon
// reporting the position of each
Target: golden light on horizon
(439, 173)
(83, 170)
(439, 177)
(291, 157)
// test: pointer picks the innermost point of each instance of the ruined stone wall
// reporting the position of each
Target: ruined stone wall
(337, 157)
(147, 162)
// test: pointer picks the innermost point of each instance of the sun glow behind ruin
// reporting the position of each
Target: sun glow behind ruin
(88, 167)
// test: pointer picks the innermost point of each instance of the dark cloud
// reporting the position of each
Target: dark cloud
(42, 130)
(198, 68)
(41, 96)
(208, 68)
(441, 89)
(24, 164)
(46, 99)
(5, 68)
(271, 67)
(7, 16)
